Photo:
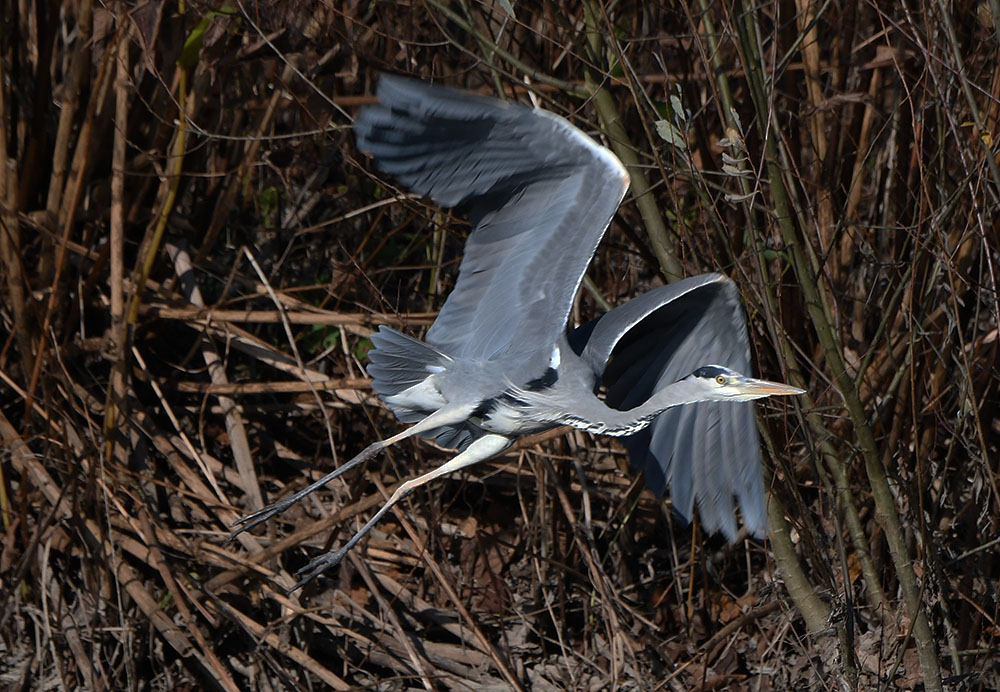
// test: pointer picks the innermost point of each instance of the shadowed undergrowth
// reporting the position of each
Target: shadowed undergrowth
(193, 254)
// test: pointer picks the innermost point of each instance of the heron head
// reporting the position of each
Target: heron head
(728, 385)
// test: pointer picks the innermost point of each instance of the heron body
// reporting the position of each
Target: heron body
(663, 370)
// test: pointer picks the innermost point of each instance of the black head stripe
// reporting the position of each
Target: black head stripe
(710, 371)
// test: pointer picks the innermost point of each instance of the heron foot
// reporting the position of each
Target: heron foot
(259, 517)
(262, 515)
(318, 566)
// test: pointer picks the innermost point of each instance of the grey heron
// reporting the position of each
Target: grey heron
(499, 362)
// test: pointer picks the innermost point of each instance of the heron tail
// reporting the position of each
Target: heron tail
(399, 362)
(401, 368)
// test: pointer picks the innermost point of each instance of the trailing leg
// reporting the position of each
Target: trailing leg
(480, 450)
(445, 416)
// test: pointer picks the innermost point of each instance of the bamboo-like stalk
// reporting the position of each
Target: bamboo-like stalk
(10, 257)
(884, 500)
(873, 591)
(652, 218)
(806, 17)
(150, 251)
(80, 66)
(116, 239)
(66, 213)
(10, 241)
(813, 610)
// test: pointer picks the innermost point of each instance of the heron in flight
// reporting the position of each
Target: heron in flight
(499, 362)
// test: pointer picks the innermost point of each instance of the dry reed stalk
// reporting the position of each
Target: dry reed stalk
(838, 161)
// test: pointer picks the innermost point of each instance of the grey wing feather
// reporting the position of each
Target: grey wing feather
(540, 194)
(707, 452)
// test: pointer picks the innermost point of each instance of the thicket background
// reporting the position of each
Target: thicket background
(193, 253)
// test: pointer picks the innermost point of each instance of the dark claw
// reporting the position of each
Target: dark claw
(262, 515)
(256, 518)
(318, 566)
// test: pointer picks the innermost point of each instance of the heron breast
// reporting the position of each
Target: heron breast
(506, 415)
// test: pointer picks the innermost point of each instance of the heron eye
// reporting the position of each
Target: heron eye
(721, 379)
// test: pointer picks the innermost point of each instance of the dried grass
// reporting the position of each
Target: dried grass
(186, 302)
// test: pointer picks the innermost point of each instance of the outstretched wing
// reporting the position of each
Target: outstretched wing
(707, 452)
(540, 193)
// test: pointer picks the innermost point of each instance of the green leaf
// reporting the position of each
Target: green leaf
(362, 348)
(193, 45)
(268, 200)
(195, 41)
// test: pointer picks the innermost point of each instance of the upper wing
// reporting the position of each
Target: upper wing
(710, 451)
(540, 192)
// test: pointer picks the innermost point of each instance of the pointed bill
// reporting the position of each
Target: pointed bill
(762, 388)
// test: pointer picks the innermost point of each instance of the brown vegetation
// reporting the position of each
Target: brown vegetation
(192, 254)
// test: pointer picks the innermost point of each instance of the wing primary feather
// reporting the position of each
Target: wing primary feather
(534, 186)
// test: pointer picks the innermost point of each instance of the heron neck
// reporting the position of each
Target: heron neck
(594, 415)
